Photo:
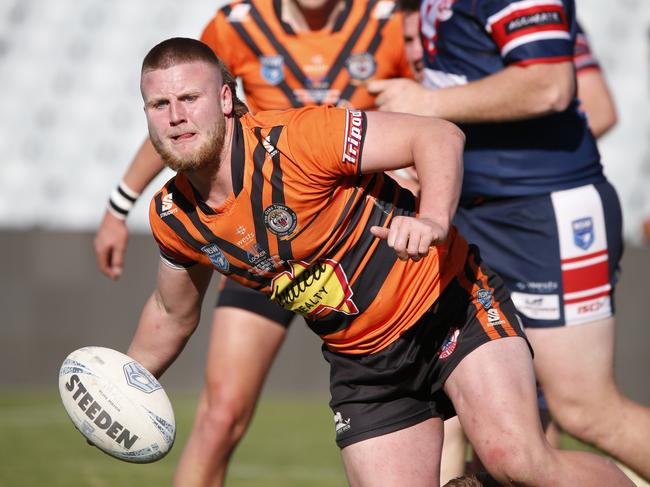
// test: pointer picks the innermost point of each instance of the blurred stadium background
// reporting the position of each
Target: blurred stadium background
(71, 121)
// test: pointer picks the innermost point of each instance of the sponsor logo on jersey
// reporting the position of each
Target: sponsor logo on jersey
(313, 289)
(583, 232)
(266, 143)
(280, 219)
(537, 19)
(272, 69)
(241, 230)
(140, 378)
(545, 286)
(168, 205)
(450, 343)
(484, 296)
(361, 66)
(537, 306)
(217, 257)
(340, 424)
(353, 142)
(494, 317)
(239, 13)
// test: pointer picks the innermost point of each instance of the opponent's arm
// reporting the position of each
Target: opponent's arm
(596, 101)
(435, 148)
(170, 316)
(112, 235)
(514, 93)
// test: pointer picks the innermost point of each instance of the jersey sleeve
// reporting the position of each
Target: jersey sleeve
(395, 30)
(327, 142)
(530, 31)
(583, 57)
(171, 247)
(219, 35)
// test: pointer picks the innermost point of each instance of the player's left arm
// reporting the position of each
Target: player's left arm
(435, 148)
(514, 93)
(169, 316)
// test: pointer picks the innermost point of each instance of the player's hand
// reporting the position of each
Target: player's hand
(401, 95)
(411, 237)
(110, 244)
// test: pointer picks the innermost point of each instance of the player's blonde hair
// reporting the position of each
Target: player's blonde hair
(178, 50)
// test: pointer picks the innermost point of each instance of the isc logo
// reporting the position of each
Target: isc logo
(590, 308)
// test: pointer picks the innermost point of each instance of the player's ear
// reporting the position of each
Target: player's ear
(226, 100)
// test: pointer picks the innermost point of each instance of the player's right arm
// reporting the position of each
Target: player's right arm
(112, 235)
(169, 316)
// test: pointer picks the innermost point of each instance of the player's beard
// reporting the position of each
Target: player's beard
(208, 153)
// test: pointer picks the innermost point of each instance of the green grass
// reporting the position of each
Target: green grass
(290, 443)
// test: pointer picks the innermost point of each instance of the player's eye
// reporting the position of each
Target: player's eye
(160, 104)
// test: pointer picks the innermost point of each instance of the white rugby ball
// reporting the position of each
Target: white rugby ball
(117, 404)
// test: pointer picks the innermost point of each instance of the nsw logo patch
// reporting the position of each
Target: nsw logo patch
(272, 69)
(217, 257)
(583, 232)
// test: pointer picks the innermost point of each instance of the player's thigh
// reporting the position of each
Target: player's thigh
(247, 333)
(493, 391)
(575, 363)
(409, 456)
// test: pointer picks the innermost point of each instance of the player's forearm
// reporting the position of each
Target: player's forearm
(146, 165)
(160, 337)
(515, 93)
(596, 101)
(438, 156)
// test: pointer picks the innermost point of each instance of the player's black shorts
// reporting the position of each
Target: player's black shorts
(234, 294)
(402, 385)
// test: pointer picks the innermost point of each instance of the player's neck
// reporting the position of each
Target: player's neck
(214, 183)
(304, 20)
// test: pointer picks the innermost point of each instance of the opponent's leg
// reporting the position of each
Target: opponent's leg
(242, 348)
(493, 390)
(410, 456)
(575, 366)
(452, 463)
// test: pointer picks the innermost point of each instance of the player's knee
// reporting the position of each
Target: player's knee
(584, 421)
(224, 418)
(511, 464)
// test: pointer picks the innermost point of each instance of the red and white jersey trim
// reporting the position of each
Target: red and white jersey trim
(534, 37)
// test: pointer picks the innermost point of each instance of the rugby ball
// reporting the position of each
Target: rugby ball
(117, 404)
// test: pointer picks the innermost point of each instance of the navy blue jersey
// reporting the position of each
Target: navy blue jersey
(466, 40)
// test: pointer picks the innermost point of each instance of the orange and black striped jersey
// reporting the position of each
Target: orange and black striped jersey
(296, 227)
(281, 68)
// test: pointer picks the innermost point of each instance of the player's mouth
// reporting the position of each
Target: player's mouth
(184, 137)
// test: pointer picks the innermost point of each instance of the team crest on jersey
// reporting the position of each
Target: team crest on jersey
(314, 288)
(272, 69)
(583, 232)
(484, 296)
(280, 219)
(217, 257)
(450, 343)
(361, 66)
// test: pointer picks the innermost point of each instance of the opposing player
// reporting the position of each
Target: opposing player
(535, 198)
(413, 324)
(287, 54)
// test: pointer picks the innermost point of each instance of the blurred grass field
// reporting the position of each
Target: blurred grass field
(290, 443)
